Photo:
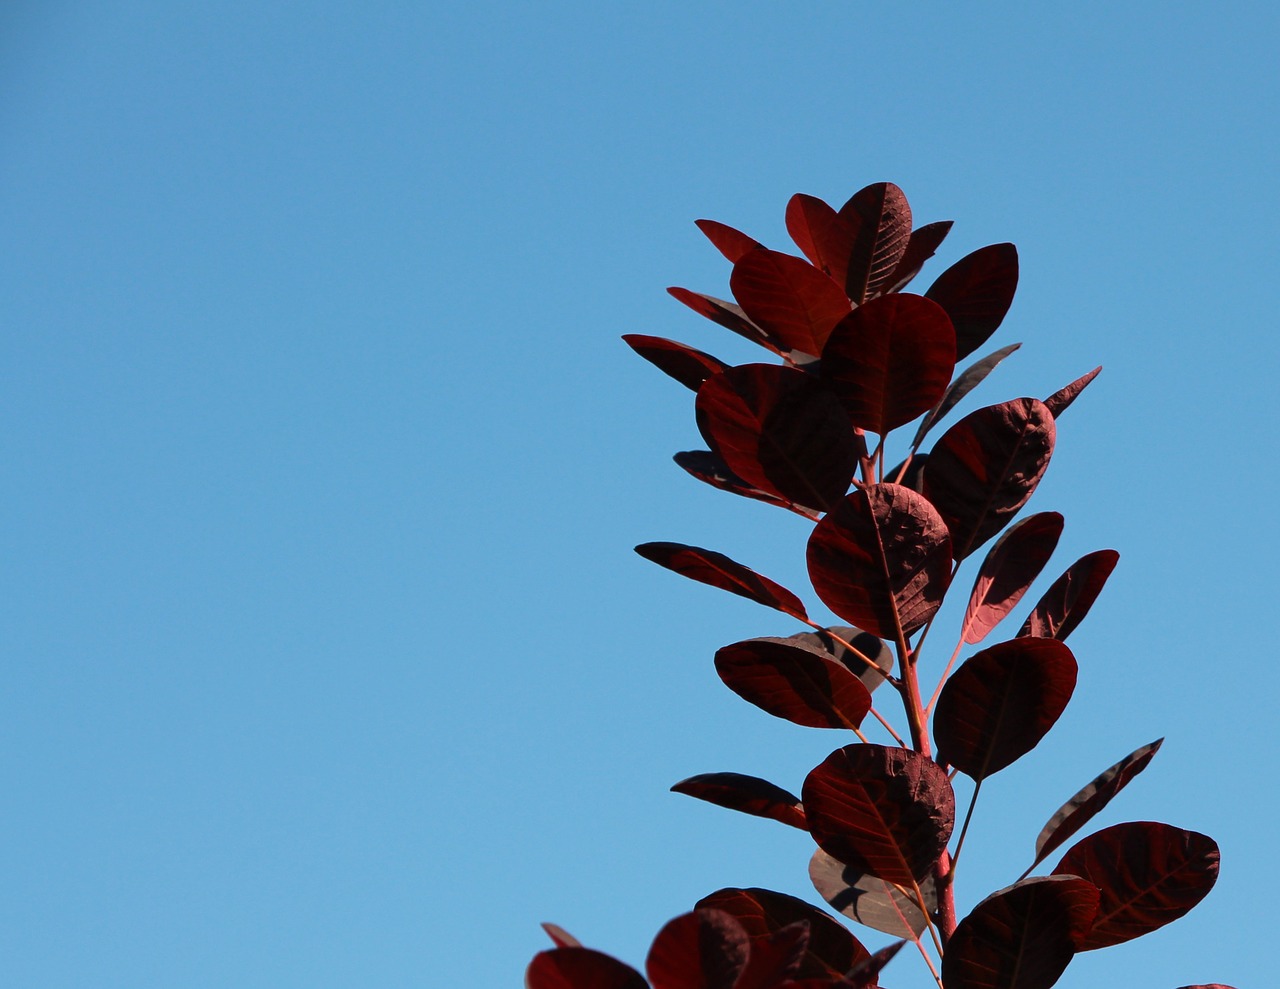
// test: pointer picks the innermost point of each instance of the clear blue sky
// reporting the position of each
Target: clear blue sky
(326, 659)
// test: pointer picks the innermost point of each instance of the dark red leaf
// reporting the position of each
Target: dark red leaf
(881, 559)
(867, 974)
(1022, 937)
(972, 376)
(779, 430)
(1000, 702)
(870, 901)
(909, 473)
(775, 958)
(580, 968)
(1080, 809)
(709, 468)
(704, 949)
(1210, 985)
(688, 366)
(1013, 563)
(832, 951)
(789, 298)
(795, 683)
(747, 794)
(1149, 875)
(985, 468)
(716, 569)
(561, 937)
(861, 245)
(890, 360)
(921, 247)
(1059, 400)
(732, 243)
(871, 656)
(728, 315)
(884, 812)
(976, 292)
(1069, 599)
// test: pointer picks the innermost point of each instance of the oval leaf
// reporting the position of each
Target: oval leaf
(973, 376)
(794, 683)
(1001, 702)
(985, 468)
(976, 292)
(789, 298)
(580, 968)
(1022, 937)
(832, 949)
(709, 468)
(869, 663)
(1069, 599)
(1080, 809)
(870, 901)
(688, 366)
(1059, 400)
(881, 560)
(922, 245)
(1149, 875)
(716, 569)
(1013, 563)
(779, 430)
(747, 794)
(880, 220)
(704, 949)
(732, 243)
(884, 812)
(890, 360)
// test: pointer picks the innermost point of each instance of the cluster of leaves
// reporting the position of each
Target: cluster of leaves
(857, 357)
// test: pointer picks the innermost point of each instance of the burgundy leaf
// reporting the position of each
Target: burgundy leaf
(580, 968)
(985, 468)
(976, 292)
(775, 958)
(1013, 563)
(732, 243)
(1080, 809)
(822, 236)
(779, 430)
(882, 560)
(884, 812)
(1022, 937)
(789, 298)
(728, 315)
(747, 794)
(861, 245)
(909, 473)
(709, 468)
(688, 366)
(561, 937)
(890, 360)
(871, 901)
(1059, 400)
(1209, 985)
(716, 569)
(867, 974)
(999, 704)
(1069, 599)
(867, 645)
(832, 950)
(704, 949)
(972, 376)
(921, 247)
(795, 683)
(1149, 875)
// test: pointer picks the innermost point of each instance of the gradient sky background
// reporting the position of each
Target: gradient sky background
(326, 659)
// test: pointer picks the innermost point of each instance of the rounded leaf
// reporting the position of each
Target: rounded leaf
(1013, 563)
(870, 901)
(703, 949)
(976, 292)
(1070, 597)
(580, 968)
(789, 298)
(794, 683)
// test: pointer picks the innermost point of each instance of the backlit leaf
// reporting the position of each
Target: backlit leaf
(794, 683)
(703, 949)
(1001, 701)
(869, 647)
(985, 468)
(732, 243)
(1081, 808)
(1149, 875)
(716, 569)
(561, 937)
(789, 298)
(972, 376)
(890, 360)
(1059, 400)
(688, 366)
(1022, 937)
(870, 901)
(884, 812)
(922, 245)
(779, 430)
(747, 794)
(1014, 562)
(881, 559)
(976, 292)
(580, 968)
(1070, 597)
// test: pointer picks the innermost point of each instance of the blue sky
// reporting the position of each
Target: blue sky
(326, 659)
